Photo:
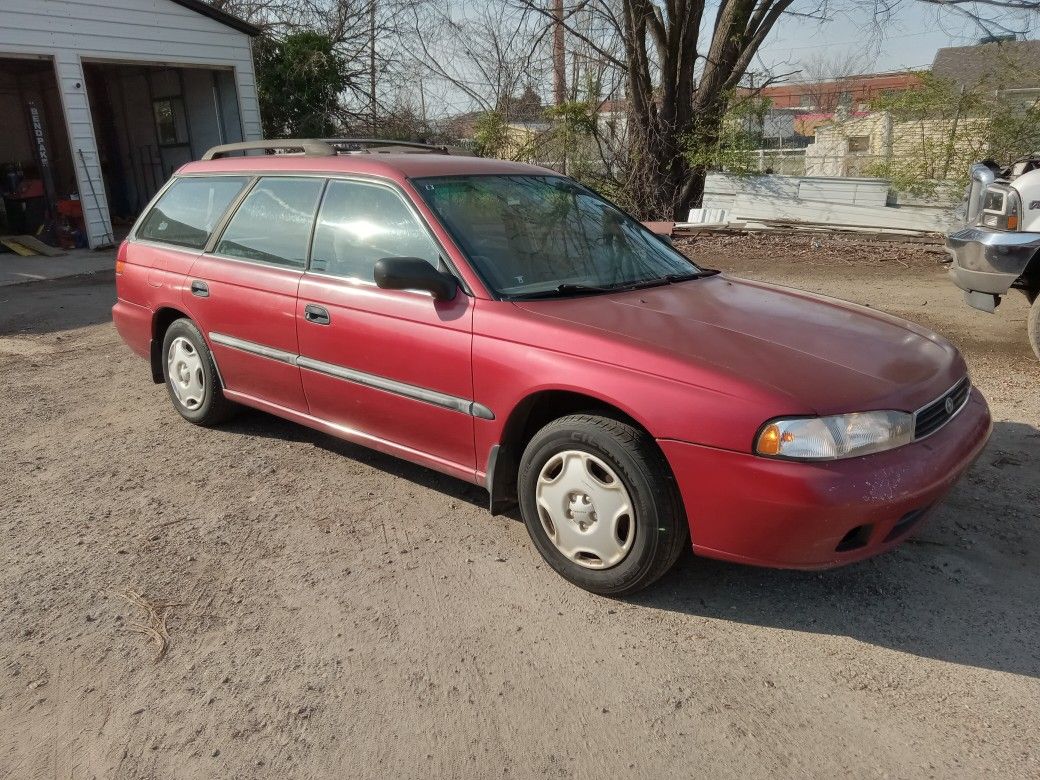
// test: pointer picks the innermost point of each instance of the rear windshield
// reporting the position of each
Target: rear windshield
(190, 209)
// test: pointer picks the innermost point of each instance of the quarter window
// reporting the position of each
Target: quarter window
(273, 224)
(360, 224)
(188, 211)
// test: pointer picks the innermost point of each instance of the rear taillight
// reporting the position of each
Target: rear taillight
(121, 258)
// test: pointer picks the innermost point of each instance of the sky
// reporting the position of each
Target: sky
(910, 38)
(846, 43)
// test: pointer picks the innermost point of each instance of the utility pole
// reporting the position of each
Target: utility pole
(559, 55)
(372, 61)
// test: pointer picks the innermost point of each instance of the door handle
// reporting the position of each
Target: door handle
(319, 315)
(199, 289)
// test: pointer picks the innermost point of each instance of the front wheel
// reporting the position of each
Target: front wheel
(1034, 326)
(600, 505)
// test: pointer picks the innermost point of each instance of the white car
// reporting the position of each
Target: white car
(999, 247)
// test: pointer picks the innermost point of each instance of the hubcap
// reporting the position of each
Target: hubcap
(585, 509)
(184, 368)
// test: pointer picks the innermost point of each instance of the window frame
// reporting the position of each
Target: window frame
(218, 227)
(865, 139)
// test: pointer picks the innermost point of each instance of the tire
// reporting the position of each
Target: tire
(194, 387)
(567, 478)
(1034, 326)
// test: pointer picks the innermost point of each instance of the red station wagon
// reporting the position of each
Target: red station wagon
(507, 326)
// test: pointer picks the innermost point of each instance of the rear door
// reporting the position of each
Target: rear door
(390, 364)
(243, 292)
(178, 227)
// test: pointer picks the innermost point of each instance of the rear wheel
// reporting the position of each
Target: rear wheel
(600, 505)
(1034, 326)
(191, 376)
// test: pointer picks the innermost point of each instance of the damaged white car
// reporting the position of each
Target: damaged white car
(998, 249)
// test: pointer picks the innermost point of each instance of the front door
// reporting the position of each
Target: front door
(243, 294)
(390, 364)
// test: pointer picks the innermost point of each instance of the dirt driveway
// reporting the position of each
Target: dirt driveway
(339, 613)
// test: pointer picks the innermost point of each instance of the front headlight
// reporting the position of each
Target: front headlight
(1001, 208)
(829, 438)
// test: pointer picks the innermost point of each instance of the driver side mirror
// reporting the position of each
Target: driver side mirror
(414, 273)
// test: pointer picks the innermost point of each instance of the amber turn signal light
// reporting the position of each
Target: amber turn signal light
(769, 440)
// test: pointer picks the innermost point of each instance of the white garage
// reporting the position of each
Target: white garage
(101, 100)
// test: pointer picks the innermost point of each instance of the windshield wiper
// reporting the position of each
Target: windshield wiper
(666, 279)
(692, 275)
(563, 290)
(566, 289)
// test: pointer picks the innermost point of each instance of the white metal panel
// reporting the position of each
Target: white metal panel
(750, 208)
(140, 31)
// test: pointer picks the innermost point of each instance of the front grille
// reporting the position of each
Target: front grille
(931, 418)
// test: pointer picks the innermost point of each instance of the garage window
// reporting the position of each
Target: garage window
(189, 210)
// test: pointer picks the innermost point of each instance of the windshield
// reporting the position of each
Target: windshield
(529, 236)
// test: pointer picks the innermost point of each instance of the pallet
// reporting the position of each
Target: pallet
(28, 246)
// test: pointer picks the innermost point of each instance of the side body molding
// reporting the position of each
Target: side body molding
(425, 395)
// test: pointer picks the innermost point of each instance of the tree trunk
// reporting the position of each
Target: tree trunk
(663, 183)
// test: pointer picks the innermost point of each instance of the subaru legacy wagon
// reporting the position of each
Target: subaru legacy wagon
(504, 324)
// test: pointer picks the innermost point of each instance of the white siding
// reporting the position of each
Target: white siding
(132, 31)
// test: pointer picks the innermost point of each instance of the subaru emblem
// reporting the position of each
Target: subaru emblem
(950, 406)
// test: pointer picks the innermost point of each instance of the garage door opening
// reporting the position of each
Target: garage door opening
(149, 121)
(37, 173)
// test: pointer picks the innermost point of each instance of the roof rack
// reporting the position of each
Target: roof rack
(309, 147)
(382, 146)
(326, 147)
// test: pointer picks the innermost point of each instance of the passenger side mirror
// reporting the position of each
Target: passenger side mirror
(414, 273)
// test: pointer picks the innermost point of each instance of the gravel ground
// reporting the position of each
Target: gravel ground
(334, 612)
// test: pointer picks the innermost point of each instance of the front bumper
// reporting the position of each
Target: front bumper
(989, 261)
(786, 514)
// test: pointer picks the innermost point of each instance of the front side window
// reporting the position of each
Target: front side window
(273, 224)
(188, 211)
(529, 236)
(360, 224)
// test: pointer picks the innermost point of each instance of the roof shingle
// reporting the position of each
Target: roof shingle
(1006, 65)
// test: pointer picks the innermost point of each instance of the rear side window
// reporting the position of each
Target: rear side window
(273, 224)
(189, 210)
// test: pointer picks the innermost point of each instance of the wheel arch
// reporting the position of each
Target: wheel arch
(527, 417)
(1030, 278)
(162, 319)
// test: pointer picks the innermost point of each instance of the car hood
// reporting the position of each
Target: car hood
(823, 355)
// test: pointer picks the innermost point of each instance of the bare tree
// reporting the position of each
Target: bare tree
(682, 62)
(374, 73)
(825, 81)
(486, 55)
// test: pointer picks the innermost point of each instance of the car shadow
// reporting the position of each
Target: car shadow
(963, 589)
(252, 422)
